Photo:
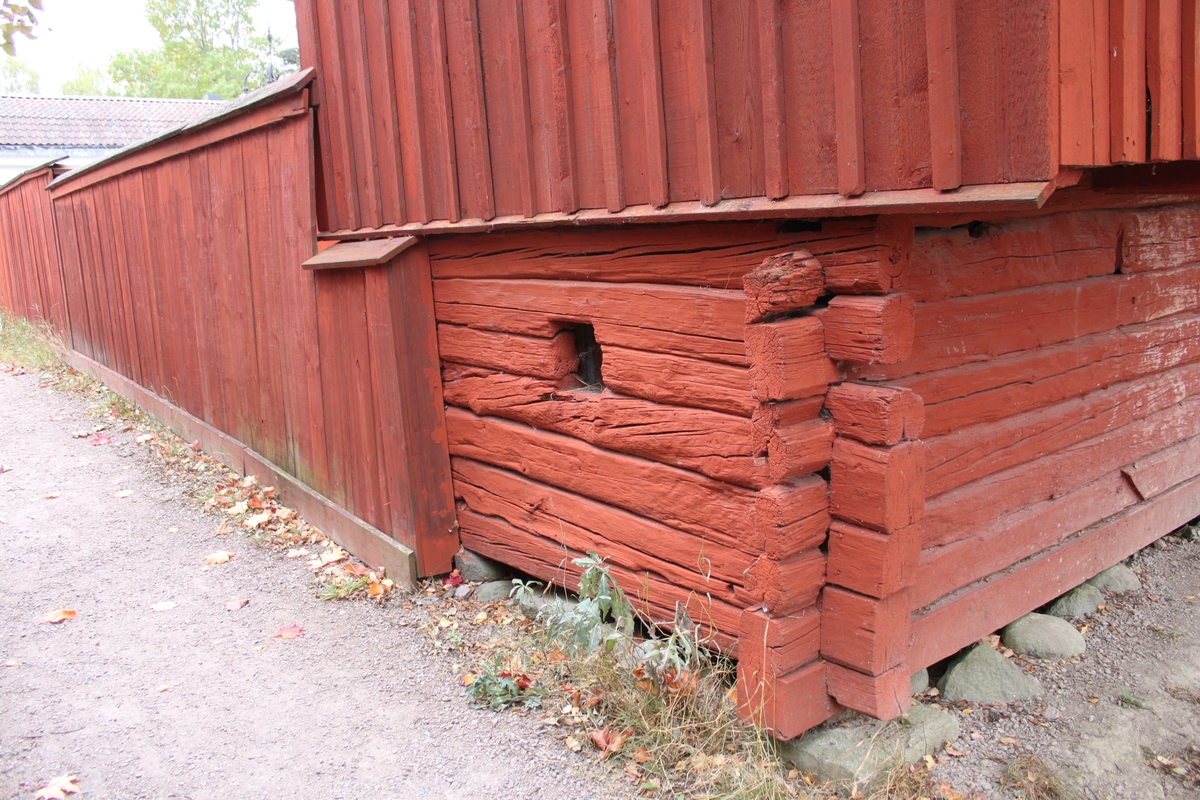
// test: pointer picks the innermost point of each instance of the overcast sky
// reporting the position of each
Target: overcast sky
(71, 32)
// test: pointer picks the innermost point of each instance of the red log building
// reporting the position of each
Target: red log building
(861, 329)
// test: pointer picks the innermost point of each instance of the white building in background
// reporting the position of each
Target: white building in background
(80, 130)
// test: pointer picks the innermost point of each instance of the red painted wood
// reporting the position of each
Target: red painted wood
(847, 77)
(381, 76)
(787, 585)
(875, 414)
(1164, 73)
(877, 330)
(470, 114)
(878, 487)
(945, 122)
(787, 359)
(873, 563)
(885, 696)
(1190, 80)
(506, 89)
(769, 27)
(1127, 79)
(608, 115)
(410, 110)
(786, 705)
(866, 634)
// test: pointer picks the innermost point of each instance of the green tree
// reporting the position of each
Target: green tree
(16, 77)
(208, 47)
(16, 18)
(88, 81)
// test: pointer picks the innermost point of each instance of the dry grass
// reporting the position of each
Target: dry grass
(1034, 779)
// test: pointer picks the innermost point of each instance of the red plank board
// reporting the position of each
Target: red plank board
(365, 253)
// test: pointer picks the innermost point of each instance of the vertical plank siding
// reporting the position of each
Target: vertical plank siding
(181, 273)
(517, 108)
(31, 271)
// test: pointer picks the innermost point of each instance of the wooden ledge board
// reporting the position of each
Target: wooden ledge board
(361, 538)
(362, 253)
(1005, 197)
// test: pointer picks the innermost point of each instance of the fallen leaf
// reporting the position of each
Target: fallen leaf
(145, 437)
(237, 509)
(376, 590)
(166, 687)
(52, 496)
(284, 514)
(83, 462)
(467, 678)
(480, 618)
(5, 468)
(296, 552)
(165, 605)
(121, 495)
(642, 755)
(81, 434)
(573, 744)
(101, 439)
(976, 735)
(950, 751)
(1007, 740)
(3, 521)
(1093, 700)
(12, 662)
(219, 557)
(453, 579)
(255, 503)
(608, 741)
(929, 762)
(55, 617)
(235, 603)
(968, 711)
(59, 417)
(249, 481)
(258, 520)
(58, 788)
(290, 632)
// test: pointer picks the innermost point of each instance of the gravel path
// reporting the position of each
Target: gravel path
(354, 708)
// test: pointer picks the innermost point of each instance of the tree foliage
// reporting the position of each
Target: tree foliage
(16, 77)
(88, 82)
(17, 18)
(208, 47)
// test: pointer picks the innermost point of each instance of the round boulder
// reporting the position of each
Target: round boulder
(1080, 602)
(1116, 579)
(981, 675)
(1043, 636)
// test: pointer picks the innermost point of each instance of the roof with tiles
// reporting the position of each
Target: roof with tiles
(91, 122)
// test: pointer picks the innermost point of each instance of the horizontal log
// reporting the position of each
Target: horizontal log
(876, 269)
(547, 561)
(1015, 254)
(787, 705)
(965, 616)
(793, 516)
(981, 551)
(534, 323)
(699, 255)
(972, 507)
(800, 449)
(1165, 469)
(1160, 238)
(711, 443)
(878, 487)
(770, 417)
(885, 696)
(520, 355)
(954, 332)
(716, 313)
(879, 415)
(970, 395)
(636, 543)
(788, 359)
(869, 329)
(863, 633)
(774, 646)
(675, 497)
(982, 450)
(788, 585)
(782, 283)
(872, 563)
(678, 381)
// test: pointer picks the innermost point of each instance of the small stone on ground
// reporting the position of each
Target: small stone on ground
(1117, 579)
(478, 569)
(493, 591)
(982, 675)
(1043, 636)
(920, 682)
(1079, 603)
(863, 753)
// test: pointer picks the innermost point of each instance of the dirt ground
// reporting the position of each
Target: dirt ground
(358, 707)
(354, 708)
(1133, 697)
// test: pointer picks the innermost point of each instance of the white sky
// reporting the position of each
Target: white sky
(73, 32)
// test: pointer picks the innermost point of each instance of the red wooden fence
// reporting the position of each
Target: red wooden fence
(182, 264)
(31, 283)
(448, 110)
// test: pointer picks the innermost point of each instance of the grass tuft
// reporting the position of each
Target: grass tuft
(1034, 779)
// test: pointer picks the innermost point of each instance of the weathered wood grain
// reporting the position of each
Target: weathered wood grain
(873, 563)
(786, 705)
(879, 487)
(782, 283)
(550, 359)
(869, 329)
(885, 696)
(879, 415)
(866, 634)
(679, 381)
(788, 360)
